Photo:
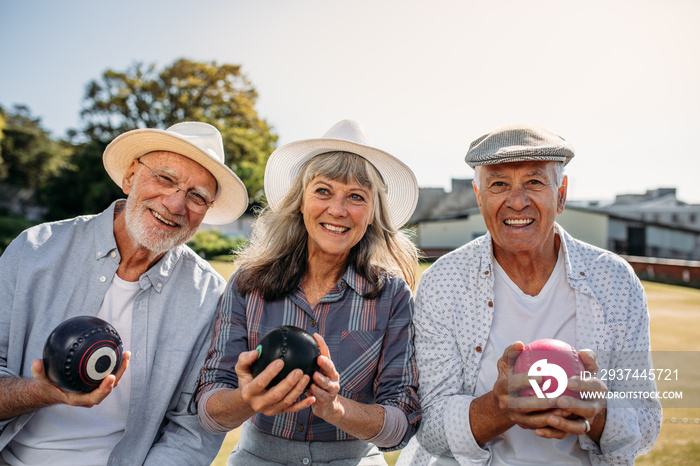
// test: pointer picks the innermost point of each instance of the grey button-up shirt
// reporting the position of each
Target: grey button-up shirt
(59, 270)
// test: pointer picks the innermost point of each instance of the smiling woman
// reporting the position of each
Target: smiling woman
(336, 216)
(326, 256)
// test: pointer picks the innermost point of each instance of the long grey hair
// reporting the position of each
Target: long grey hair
(275, 260)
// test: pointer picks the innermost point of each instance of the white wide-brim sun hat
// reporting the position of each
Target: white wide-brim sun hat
(347, 136)
(198, 141)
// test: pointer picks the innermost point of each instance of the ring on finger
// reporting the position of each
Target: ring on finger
(588, 426)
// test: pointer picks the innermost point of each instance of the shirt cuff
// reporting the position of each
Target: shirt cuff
(209, 424)
(393, 429)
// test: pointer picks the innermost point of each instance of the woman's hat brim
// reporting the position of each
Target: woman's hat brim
(286, 162)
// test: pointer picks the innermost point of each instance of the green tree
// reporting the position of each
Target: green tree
(30, 158)
(83, 187)
(211, 244)
(146, 97)
(2, 135)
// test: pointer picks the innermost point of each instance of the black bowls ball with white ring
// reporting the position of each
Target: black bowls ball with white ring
(81, 352)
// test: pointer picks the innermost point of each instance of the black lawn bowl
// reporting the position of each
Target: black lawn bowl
(295, 346)
(81, 352)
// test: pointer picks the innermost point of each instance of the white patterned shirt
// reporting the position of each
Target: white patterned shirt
(453, 318)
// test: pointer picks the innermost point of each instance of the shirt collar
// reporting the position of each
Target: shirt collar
(576, 268)
(350, 279)
(159, 275)
(356, 282)
(486, 256)
(104, 241)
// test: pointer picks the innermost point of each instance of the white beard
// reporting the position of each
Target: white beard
(152, 238)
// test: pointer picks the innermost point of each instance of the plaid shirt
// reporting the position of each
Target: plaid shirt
(370, 341)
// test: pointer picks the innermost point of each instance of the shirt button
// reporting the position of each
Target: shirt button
(313, 323)
(490, 303)
(301, 428)
(344, 285)
(486, 272)
(113, 254)
(306, 461)
(103, 279)
(583, 274)
(478, 349)
(159, 285)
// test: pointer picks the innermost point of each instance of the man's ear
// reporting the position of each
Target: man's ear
(561, 201)
(129, 177)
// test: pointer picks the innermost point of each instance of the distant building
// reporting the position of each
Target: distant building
(658, 206)
(434, 203)
(655, 224)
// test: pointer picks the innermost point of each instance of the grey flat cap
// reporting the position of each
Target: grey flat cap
(518, 143)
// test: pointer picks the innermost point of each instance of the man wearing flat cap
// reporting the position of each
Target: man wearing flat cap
(525, 280)
(130, 267)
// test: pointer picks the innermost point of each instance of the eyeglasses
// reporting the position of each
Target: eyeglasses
(196, 201)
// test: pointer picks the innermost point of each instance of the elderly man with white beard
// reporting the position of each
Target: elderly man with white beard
(130, 267)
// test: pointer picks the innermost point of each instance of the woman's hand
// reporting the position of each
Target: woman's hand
(326, 386)
(277, 400)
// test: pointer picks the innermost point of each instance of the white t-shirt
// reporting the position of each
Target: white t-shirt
(75, 436)
(518, 316)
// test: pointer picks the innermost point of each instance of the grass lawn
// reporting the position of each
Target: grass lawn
(675, 313)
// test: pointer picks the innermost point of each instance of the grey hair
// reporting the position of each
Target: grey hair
(275, 259)
(558, 174)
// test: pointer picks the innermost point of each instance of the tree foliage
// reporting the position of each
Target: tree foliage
(29, 158)
(68, 177)
(211, 244)
(84, 187)
(146, 97)
(2, 135)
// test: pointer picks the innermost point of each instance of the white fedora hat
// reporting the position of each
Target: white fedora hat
(285, 163)
(200, 142)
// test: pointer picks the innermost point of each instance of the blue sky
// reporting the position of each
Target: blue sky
(619, 79)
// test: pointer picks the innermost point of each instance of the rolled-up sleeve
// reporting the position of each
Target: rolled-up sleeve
(8, 265)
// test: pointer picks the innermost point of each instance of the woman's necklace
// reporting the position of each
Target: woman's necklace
(314, 292)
